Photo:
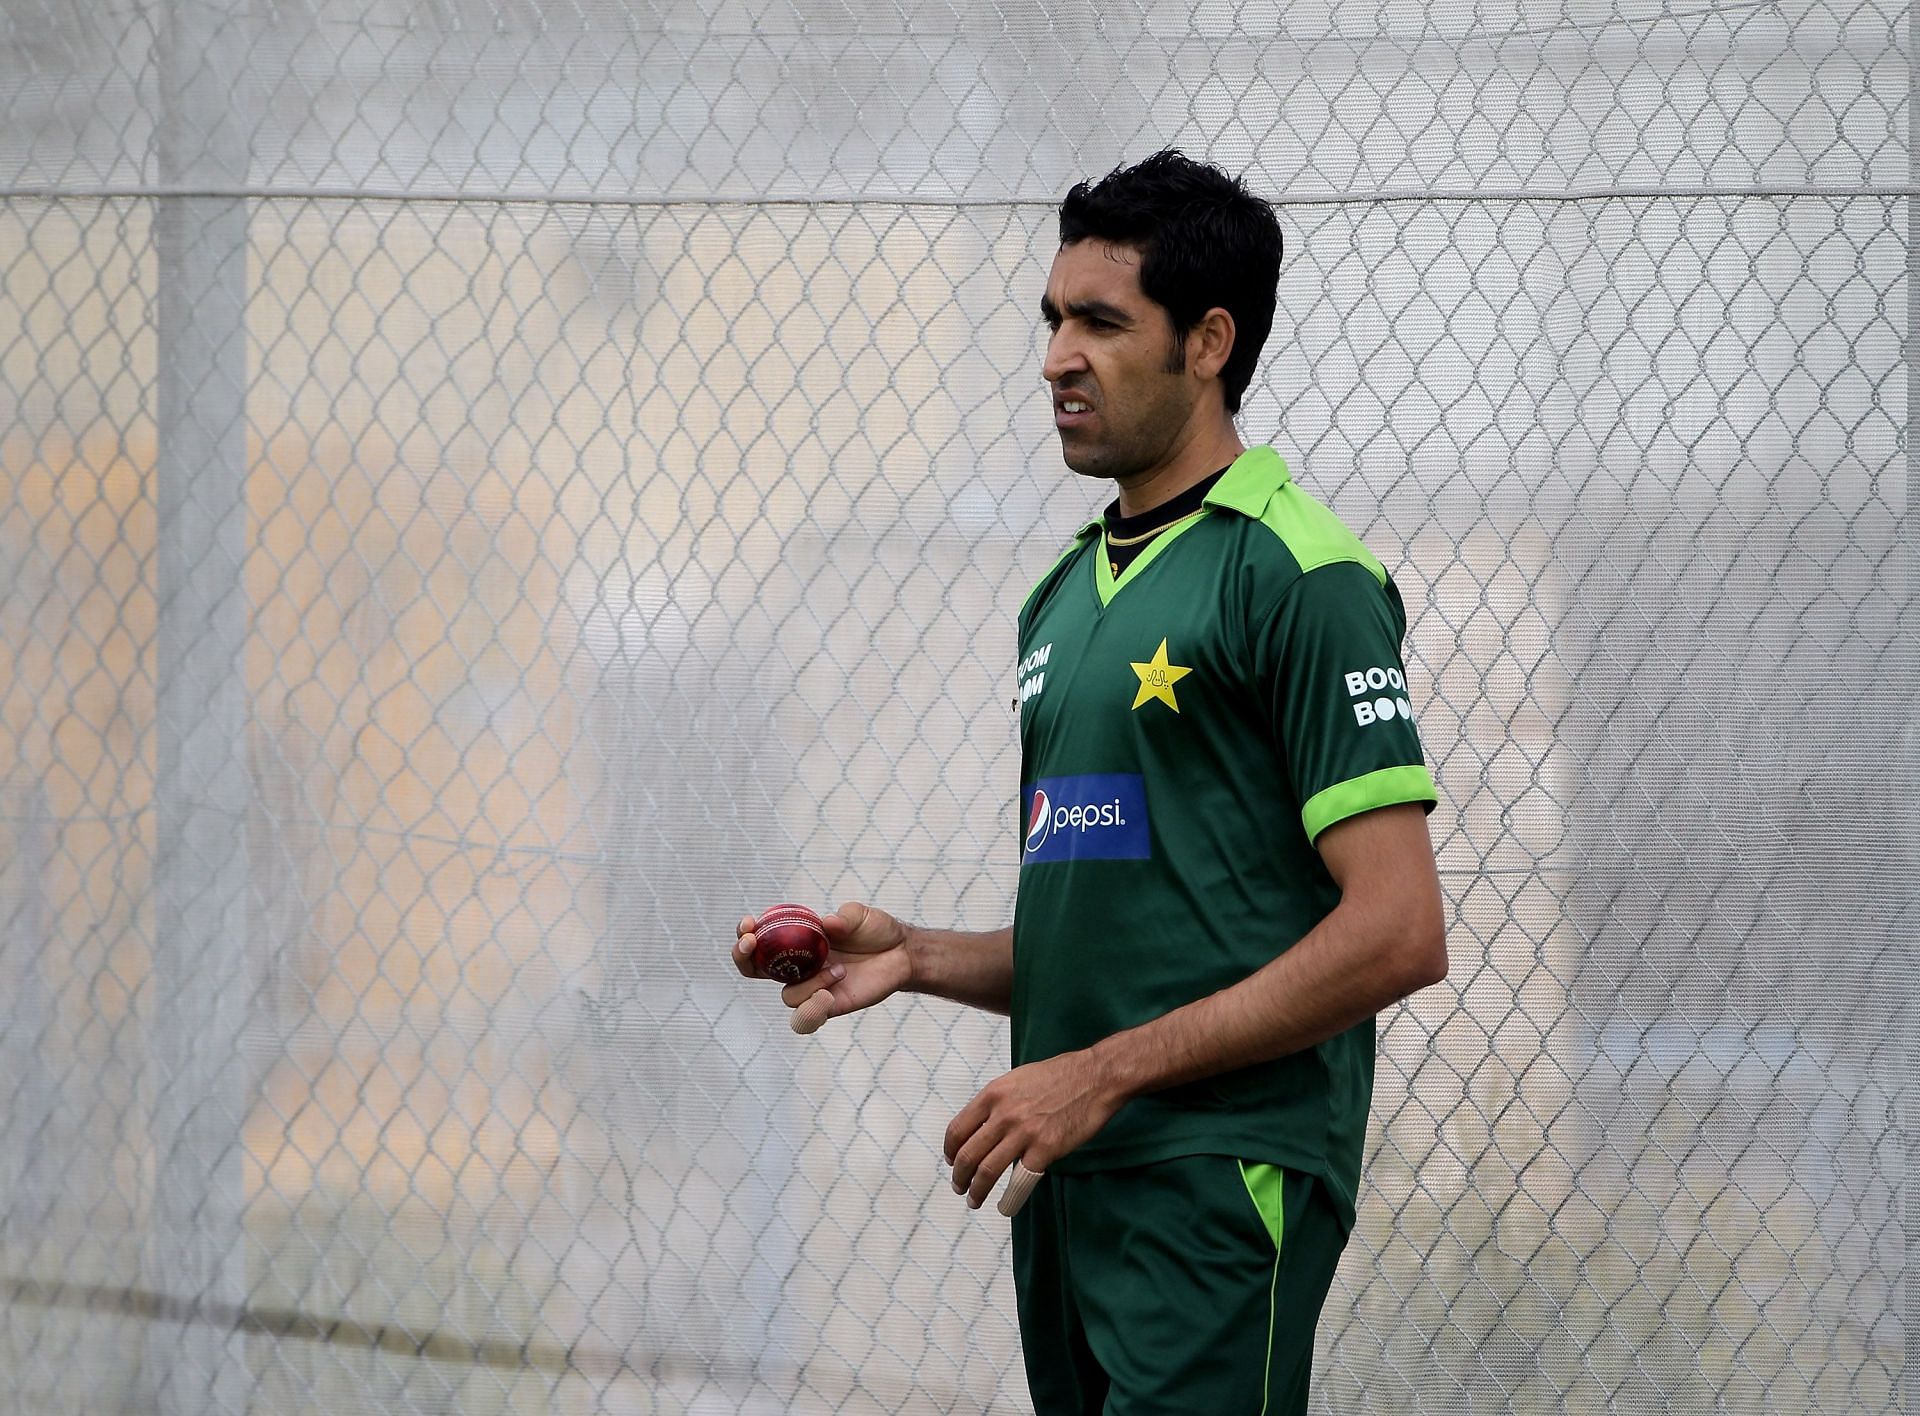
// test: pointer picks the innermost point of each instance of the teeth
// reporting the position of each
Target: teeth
(1071, 407)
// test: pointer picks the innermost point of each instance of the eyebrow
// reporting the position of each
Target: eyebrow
(1085, 309)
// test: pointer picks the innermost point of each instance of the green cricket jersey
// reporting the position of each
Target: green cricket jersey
(1186, 732)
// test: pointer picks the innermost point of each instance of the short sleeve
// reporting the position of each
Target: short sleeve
(1343, 714)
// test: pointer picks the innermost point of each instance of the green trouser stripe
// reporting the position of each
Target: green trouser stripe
(1267, 1187)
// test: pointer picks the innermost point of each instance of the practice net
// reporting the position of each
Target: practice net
(490, 491)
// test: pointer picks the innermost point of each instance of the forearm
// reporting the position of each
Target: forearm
(1345, 970)
(975, 969)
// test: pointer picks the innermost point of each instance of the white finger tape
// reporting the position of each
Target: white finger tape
(813, 1010)
(1019, 1185)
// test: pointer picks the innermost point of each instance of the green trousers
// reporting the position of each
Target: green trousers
(1189, 1286)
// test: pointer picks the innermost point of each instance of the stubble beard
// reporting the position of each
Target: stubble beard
(1100, 461)
(1130, 451)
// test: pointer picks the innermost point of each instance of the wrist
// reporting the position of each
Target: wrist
(1116, 1067)
(913, 952)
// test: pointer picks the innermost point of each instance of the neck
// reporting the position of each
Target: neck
(1192, 460)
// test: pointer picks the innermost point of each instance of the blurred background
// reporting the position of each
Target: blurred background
(490, 490)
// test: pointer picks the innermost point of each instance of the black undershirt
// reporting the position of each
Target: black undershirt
(1127, 536)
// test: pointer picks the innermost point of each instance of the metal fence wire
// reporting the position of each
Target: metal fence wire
(490, 490)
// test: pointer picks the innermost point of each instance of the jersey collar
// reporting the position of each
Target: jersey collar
(1249, 484)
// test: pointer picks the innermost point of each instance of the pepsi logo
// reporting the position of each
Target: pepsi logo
(1094, 816)
(1039, 821)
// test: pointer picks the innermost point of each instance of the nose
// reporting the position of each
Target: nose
(1063, 357)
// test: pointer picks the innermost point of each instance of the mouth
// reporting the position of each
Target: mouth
(1070, 412)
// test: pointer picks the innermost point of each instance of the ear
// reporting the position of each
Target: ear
(1210, 343)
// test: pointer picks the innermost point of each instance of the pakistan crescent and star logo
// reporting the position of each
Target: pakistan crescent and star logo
(1157, 678)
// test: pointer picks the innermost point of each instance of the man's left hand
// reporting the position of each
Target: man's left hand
(1034, 1114)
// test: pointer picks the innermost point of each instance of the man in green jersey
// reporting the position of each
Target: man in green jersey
(1225, 865)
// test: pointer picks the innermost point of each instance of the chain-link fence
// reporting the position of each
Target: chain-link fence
(490, 490)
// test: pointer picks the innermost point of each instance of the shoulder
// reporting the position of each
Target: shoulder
(1313, 536)
(1062, 565)
(1291, 532)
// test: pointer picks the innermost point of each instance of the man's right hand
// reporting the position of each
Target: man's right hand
(867, 960)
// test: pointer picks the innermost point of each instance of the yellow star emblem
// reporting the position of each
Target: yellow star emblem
(1157, 678)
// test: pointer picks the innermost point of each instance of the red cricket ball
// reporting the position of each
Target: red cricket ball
(789, 943)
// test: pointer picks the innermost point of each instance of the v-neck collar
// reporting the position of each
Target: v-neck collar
(1246, 487)
(1103, 581)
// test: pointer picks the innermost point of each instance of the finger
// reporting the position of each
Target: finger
(1020, 1185)
(812, 1012)
(968, 1159)
(794, 994)
(962, 1127)
(743, 955)
(747, 925)
(988, 1174)
(844, 921)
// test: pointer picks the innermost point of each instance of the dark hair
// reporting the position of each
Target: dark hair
(1204, 240)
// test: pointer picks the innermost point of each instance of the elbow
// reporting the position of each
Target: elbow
(1421, 950)
(1402, 937)
(1429, 960)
